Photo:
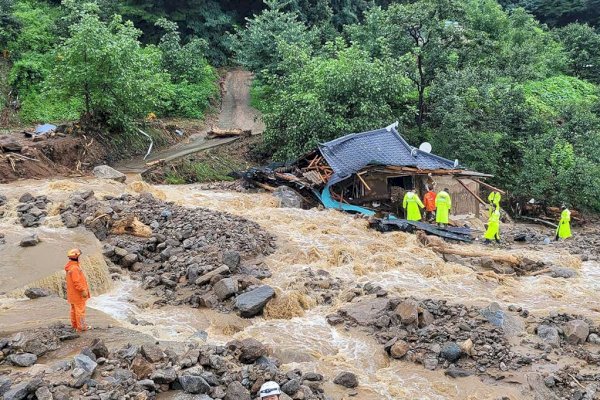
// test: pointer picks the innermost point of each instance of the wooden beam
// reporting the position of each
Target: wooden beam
(363, 182)
(470, 191)
(487, 185)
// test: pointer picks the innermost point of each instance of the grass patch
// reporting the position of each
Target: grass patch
(198, 172)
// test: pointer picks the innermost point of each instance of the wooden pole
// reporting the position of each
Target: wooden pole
(470, 191)
(487, 185)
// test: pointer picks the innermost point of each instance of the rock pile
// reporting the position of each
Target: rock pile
(463, 339)
(32, 210)
(183, 255)
(231, 372)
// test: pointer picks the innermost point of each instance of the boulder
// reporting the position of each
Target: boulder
(23, 389)
(399, 349)
(141, 367)
(226, 288)
(451, 351)
(408, 312)
(35, 293)
(251, 350)
(99, 348)
(152, 353)
(365, 311)
(106, 172)
(549, 334)
(425, 317)
(37, 342)
(204, 279)
(70, 220)
(346, 379)
(252, 303)
(288, 197)
(236, 391)
(291, 386)
(494, 314)
(43, 393)
(232, 259)
(29, 241)
(562, 272)
(83, 369)
(4, 385)
(129, 260)
(22, 359)
(166, 375)
(593, 338)
(194, 384)
(576, 331)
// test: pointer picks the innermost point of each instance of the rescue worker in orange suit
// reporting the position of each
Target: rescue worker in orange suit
(429, 201)
(78, 291)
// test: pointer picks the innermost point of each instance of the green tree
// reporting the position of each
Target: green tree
(257, 47)
(582, 44)
(331, 95)
(194, 80)
(105, 66)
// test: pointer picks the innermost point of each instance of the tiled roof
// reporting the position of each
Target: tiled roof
(351, 153)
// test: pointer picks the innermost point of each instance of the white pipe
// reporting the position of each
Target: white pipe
(151, 142)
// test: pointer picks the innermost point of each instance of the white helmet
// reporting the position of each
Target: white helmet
(269, 389)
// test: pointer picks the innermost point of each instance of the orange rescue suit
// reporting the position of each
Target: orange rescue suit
(77, 286)
(429, 201)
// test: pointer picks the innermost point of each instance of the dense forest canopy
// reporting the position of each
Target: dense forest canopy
(510, 87)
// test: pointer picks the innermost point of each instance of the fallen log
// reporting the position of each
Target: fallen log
(539, 221)
(224, 133)
(439, 246)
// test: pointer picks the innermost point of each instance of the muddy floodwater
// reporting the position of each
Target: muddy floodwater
(318, 239)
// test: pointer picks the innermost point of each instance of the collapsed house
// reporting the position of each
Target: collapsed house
(369, 173)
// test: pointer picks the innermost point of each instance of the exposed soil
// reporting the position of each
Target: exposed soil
(55, 156)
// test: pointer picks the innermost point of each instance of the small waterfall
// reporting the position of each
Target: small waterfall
(96, 272)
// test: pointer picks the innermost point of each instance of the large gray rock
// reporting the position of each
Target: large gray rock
(288, 197)
(494, 314)
(23, 359)
(232, 259)
(236, 391)
(549, 334)
(83, 369)
(106, 172)
(35, 293)
(252, 303)
(366, 311)
(346, 379)
(226, 288)
(4, 385)
(251, 350)
(152, 353)
(166, 375)
(576, 331)
(399, 349)
(194, 384)
(29, 241)
(204, 279)
(37, 342)
(43, 393)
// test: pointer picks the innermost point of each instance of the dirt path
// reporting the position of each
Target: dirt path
(236, 112)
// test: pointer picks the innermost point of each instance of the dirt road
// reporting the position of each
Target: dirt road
(236, 112)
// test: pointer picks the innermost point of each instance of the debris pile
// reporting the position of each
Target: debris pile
(436, 334)
(183, 255)
(32, 210)
(231, 372)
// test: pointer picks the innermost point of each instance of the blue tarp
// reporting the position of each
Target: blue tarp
(43, 129)
(351, 153)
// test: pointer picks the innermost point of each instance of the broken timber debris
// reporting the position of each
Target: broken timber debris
(224, 133)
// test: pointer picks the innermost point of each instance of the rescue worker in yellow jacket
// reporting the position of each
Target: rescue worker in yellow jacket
(493, 229)
(494, 201)
(564, 225)
(443, 204)
(411, 204)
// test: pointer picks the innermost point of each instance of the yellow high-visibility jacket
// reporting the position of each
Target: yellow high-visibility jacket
(564, 226)
(443, 203)
(493, 229)
(411, 204)
(494, 199)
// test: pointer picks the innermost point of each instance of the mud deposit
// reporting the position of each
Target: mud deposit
(406, 321)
